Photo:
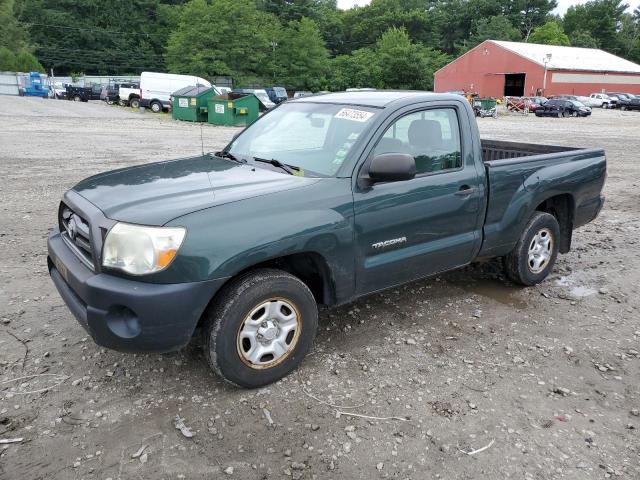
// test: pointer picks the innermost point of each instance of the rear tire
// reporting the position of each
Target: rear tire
(260, 327)
(134, 102)
(156, 107)
(535, 254)
(77, 98)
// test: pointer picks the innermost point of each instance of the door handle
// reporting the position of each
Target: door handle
(465, 190)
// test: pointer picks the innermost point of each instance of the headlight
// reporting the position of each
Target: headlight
(141, 250)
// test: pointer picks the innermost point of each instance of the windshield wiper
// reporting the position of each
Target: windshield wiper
(290, 169)
(230, 156)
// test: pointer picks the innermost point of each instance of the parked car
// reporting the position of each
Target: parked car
(261, 94)
(83, 94)
(129, 95)
(58, 91)
(626, 101)
(109, 94)
(277, 94)
(634, 103)
(623, 99)
(601, 100)
(518, 103)
(322, 201)
(156, 88)
(577, 98)
(561, 107)
(223, 90)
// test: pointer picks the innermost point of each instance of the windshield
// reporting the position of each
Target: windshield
(315, 137)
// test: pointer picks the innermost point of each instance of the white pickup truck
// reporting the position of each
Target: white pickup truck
(601, 100)
(129, 95)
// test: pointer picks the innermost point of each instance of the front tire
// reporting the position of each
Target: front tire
(134, 102)
(535, 254)
(260, 327)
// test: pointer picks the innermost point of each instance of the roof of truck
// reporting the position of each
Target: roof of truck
(377, 98)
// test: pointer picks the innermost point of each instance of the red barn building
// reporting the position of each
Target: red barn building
(496, 68)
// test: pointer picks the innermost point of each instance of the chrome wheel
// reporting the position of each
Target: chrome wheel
(269, 333)
(540, 250)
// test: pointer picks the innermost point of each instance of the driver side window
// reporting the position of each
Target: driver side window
(432, 137)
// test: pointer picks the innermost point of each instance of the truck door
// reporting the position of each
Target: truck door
(414, 228)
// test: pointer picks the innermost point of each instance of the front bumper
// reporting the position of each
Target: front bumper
(128, 315)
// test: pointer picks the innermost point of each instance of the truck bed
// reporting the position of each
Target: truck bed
(501, 150)
(522, 175)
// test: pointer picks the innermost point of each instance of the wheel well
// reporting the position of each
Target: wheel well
(562, 207)
(309, 267)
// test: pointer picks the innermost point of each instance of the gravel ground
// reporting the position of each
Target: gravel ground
(469, 376)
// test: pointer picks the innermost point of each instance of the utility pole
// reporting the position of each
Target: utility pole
(545, 60)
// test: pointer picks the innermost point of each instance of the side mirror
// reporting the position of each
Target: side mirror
(392, 167)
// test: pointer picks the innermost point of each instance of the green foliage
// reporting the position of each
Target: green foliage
(580, 38)
(119, 36)
(303, 44)
(395, 62)
(23, 61)
(7, 60)
(363, 26)
(358, 70)
(27, 62)
(498, 27)
(404, 64)
(600, 19)
(226, 37)
(303, 60)
(549, 34)
(13, 35)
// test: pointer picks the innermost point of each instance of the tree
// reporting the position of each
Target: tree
(302, 56)
(228, 37)
(580, 38)
(600, 19)
(13, 35)
(527, 15)
(288, 10)
(120, 36)
(362, 26)
(358, 70)
(549, 34)
(629, 37)
(27, 62)
(7, 60)
(406, 65)
(498, 27)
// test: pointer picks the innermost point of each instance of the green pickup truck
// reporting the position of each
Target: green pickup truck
(322, 200)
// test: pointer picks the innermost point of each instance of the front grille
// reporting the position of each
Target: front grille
(76, 232)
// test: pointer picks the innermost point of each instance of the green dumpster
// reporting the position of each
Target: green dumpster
(233, 109)
(190, 103)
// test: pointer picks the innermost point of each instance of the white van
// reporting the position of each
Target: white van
(156, 88)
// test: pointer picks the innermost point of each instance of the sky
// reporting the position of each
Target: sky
(562, 4)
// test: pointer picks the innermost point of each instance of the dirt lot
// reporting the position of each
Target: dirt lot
(545, 379)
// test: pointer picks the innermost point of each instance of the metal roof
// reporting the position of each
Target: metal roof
(570, 58)
(376, 98)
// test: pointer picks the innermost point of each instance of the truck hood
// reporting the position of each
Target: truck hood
(156, 193)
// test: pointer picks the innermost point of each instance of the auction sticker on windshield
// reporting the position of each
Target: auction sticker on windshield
(355, 115)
